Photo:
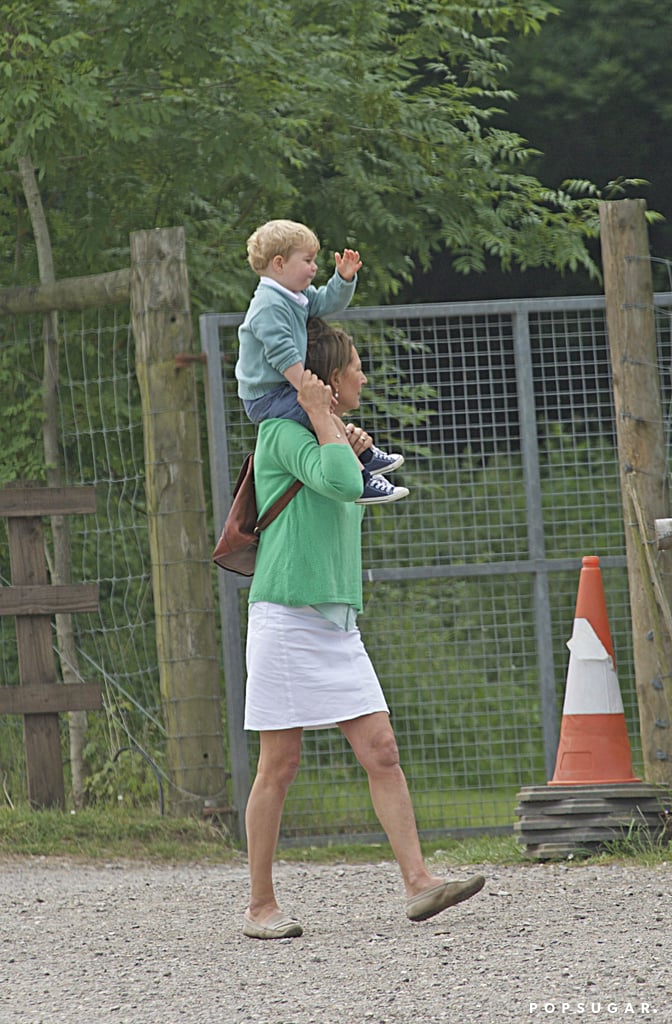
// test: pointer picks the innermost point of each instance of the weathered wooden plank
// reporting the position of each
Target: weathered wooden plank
(42, 741)
(50, 698)
(71, 293)
(47, 501)
(44, 768)
(592, 821)
(34, 602)
(33, 633)
(596, 810)
(49, 599)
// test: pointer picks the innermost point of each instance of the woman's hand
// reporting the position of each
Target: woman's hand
(314, 396)
(358, 439)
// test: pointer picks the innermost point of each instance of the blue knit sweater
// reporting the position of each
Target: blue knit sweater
(273, 334)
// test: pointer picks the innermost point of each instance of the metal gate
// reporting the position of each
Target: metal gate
(504, 413)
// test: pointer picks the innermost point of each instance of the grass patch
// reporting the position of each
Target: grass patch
(103, 834)
(144, 835)
(476, 850)
(641, 845)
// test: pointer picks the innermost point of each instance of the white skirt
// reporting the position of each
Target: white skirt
(303, 671)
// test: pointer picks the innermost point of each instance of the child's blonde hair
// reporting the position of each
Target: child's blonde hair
(278, 238)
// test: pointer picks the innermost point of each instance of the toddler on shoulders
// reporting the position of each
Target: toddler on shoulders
(273, 335)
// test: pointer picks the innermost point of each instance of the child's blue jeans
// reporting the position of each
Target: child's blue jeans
(280, 403)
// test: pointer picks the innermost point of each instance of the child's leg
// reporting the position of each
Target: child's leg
(376, 490)
(280, 403)
(377, 461)
(372, 458)
(379, 491)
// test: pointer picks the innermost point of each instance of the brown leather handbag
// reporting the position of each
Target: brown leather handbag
(236, 548)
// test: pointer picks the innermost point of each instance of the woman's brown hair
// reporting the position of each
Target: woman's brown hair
(329, 348)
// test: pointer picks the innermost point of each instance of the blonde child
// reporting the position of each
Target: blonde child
(273, 336)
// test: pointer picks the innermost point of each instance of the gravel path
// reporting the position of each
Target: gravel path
(144, 944)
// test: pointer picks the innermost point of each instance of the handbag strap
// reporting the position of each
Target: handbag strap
(277, 506)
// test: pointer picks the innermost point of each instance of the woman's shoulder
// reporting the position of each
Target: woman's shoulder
(282, 427)
(282, 435)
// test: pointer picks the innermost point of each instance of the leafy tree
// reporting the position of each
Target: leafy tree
(374, 122)
(595, 93)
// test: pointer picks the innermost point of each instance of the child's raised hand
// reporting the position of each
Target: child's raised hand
(348, 264)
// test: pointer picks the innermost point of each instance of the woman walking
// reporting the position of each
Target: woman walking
(307, 666)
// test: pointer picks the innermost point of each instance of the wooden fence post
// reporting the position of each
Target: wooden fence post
(180, 542)
(34, 601)
(643, 469)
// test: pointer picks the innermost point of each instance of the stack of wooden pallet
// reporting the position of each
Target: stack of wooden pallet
(557, 822)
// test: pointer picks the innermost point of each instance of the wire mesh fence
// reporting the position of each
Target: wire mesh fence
(102, 445)
(504, 413)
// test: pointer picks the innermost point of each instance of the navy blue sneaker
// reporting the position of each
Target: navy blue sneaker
(378, 491)
(379, 461)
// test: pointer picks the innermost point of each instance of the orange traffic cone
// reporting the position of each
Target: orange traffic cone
(594, 745)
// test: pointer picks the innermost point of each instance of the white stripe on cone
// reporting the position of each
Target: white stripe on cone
(592, 683)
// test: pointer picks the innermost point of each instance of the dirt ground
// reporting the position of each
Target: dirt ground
(145, 944)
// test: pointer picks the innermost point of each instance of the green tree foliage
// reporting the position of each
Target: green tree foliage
(374, 122)
(595, 93)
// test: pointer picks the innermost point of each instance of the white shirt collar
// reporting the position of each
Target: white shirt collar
(298, 297)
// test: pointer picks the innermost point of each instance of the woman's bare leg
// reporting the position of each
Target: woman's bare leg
(373, 742)
(279, 757)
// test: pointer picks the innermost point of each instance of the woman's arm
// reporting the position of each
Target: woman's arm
(315, 399)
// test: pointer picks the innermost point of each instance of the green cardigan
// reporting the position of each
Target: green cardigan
(310, 554)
